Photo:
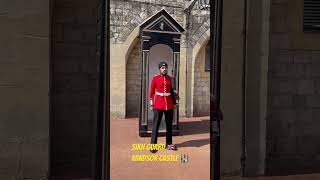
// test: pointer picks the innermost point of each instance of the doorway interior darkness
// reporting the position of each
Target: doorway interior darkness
(74, 86)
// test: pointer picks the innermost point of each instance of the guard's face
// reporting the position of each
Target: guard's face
(163, 70)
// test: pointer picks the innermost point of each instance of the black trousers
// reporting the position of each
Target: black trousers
(157, 116)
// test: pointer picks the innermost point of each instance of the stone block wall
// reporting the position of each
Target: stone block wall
(293, 100)
(126, 15)
(199, 25)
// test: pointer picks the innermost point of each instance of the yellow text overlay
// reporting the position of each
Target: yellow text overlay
(166, 158)
(136, 147)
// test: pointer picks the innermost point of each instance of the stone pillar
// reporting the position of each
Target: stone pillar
(117, 81)
(182, 82)
(256, 85)
(189, 82)
(231, 86)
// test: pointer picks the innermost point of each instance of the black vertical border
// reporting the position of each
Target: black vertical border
(216, 13)
(106, 175)
(244, 83)
(50, 93)
(101, 167)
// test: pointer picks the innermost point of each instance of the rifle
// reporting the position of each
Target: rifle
(173, 88)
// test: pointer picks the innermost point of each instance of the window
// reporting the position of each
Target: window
(311, 15)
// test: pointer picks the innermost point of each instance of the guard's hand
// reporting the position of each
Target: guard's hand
(151, 108)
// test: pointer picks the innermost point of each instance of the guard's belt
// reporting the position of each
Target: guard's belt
(163, 94)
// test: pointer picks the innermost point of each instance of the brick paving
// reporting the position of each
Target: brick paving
(292, 177)
(193, 142)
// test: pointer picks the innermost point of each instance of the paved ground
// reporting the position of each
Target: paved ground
(194, 142)
(295, 177)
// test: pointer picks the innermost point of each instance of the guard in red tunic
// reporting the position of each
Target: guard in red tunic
(163, 99)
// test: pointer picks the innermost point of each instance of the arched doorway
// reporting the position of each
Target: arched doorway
(201, 90)
(133, 81)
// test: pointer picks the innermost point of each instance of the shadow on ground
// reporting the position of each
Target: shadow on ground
(195, 143)
(195, 127)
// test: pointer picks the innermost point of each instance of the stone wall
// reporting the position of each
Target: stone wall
(199, 25)
(133, 81)
(74, 86)
(126, 15)
(293, 96)
(125, 18)
(24, 88)
(201, 95)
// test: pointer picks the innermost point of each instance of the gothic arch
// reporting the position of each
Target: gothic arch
(203, 40)
(195, 53)
(130, 42)
(201, 87)
(133, 79)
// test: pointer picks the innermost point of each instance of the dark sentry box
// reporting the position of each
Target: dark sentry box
(159, 29)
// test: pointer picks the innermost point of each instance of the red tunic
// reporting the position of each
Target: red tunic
(161, 84)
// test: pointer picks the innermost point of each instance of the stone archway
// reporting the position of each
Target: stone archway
(133, 81)
(202, 41)
(201, 89)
